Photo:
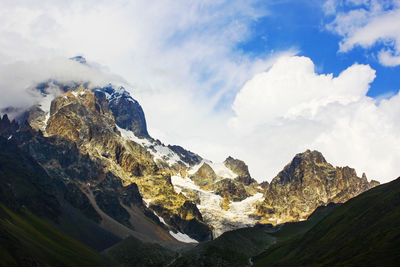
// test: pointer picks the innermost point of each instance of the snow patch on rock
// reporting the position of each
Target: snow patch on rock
(160, 218)
(221, 170)
(146, 202)
(45, 103)
(159, 152)
(183, 237)
(129, 135)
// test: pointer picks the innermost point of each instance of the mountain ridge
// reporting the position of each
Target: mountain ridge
(94, 142)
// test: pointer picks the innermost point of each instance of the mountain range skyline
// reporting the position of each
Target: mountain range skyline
(211, 75)
(199, 133)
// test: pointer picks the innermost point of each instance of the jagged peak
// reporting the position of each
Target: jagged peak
(240, 168)
(308, 157)
(114, 93)
(311, 156)
(229, 158)
(363, 176)
(206, 167)
(5, 118)
(79, 59)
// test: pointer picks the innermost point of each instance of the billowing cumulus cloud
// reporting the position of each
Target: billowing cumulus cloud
(291, 89)
(290, 108)
(198, 90)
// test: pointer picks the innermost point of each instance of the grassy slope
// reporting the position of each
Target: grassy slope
(27, 240)
(234, 248)
(133, 252)
(365, 231)
(290, 230)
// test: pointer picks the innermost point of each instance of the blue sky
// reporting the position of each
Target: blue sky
(250, 79)
(300, 25)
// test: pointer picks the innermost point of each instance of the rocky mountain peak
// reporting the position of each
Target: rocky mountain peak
(186, 155)
(240, 168)
(7, 127)
(79, 59)
(309, 181)
(205, 177)
(127, 111)
(310, 156)
(96, 144)
(308, 160)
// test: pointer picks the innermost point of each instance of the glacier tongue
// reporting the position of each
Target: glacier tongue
(237, 216)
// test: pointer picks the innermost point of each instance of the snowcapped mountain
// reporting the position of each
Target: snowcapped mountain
(94, 144)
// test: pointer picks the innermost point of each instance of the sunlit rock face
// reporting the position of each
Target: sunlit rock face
(241, 169)
(307, 182)
(95, 141)
(83, 117)
(221, 197)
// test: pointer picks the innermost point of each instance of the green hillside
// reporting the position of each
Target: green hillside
(27, 240)
(365, 231)
(235, 248)
(133, 252)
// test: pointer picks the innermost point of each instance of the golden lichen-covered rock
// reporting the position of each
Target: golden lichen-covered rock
(83, 117)
(307, 182)
(204, 177)
(225, 204)
(101, 128)
(230, 190)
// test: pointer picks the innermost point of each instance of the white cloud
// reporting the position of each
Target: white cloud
(163, 48)
(181, 58)
(17, 79)
(373, 22)
(290, 108)
(329, 7)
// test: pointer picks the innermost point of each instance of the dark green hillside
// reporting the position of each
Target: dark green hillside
(23, 182)
(235, 248)
(133, 252)
(232, 248)
(27, 240)
(365, 231)
(292, 229)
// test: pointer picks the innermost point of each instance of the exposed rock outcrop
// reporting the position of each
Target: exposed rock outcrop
(85, 148)
(185, 155)
(241, 169)
(95, 145)
(307, 182)
(230, 190)
(127, 111)
(205, 177)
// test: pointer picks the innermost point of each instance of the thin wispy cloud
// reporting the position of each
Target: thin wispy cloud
(367, 23)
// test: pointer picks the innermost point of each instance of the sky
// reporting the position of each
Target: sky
(257, 80)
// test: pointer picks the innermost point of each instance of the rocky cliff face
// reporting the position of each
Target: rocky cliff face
(7, 128)
(127, 112)
(241, 169)
(78, 141)
(95, 146)
(307, 182)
